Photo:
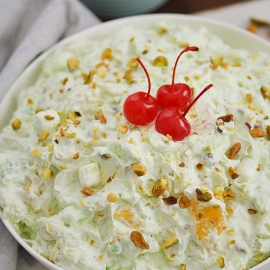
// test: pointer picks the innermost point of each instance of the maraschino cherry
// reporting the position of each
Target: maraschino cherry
(177, 95)
(171, 121)
(141, 108)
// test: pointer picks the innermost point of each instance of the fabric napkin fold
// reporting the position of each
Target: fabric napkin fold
(27, 28)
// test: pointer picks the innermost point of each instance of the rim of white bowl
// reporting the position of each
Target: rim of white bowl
(97, 33)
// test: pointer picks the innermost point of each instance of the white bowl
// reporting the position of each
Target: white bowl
(234, 36)
(111, 9)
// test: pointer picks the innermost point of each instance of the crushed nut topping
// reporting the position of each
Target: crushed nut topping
(43, 136)
(123, 129)
(76, 122)
(86, 192)
(89, 78)
(184, 202)
(159, 187)
(249, 98)
(71, 135)
(234, 150)
(72, 63)
(268, 131)
(183, 267)
(47, 173)
(139, 169)
(220, 261)
(252, 211)
(228, 194)
(138, 240)
(226, 118)
(161, 31)
(171, 200)
(65, 81)
(49, 117)
(107, 54)
(36, 153)
(182, 164)
(203, 195)
(16, 124)
(76, 155)
(248, 125)
(265, 92)
(233, 173)
(199, 166)
(160, 61)
(99, 116)
(169, 242)
(132, 63)
(256, 132)
(71, 116)
(111, 197)
(128, 76)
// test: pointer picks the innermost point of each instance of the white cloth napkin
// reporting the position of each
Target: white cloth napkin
(27, 28)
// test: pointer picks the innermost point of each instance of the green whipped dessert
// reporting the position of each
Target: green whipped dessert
(87, 189)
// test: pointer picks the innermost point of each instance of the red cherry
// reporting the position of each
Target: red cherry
(171, 121)
(176, 95)
(141, 108)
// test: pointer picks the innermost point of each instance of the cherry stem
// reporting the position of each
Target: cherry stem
(188, 48)
(195, 100)
(147, 75)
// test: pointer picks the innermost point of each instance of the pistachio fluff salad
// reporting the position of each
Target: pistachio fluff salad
(87, 189)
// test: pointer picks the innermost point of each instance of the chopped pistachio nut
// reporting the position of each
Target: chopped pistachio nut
(112, 197)
(228, 194)
(234, 150)
(71, 116)
(128, 76)
(169, 242)
(48, 117)
(71, 135)
(252, 211)
(161, 31)
(138, 240)
(203, 195)
(86, 192)
(233, 173)
(123, 129)
(220, 261)
(184, 202)
(16, 124)
(89, 78)
(107, 54)
(76, 122)
(160, 61)
(99, 116)
(256, 132)
(76, 155)
(183, 267)
(72, 63)
(63, 167)
(159, 187)
(139, 169)
(36, 153)
(199, 166)
(226, 118)
(265, 92)
(249, 98)
(43, 136)
(47, 173)
(132, 63)
(268, 131)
